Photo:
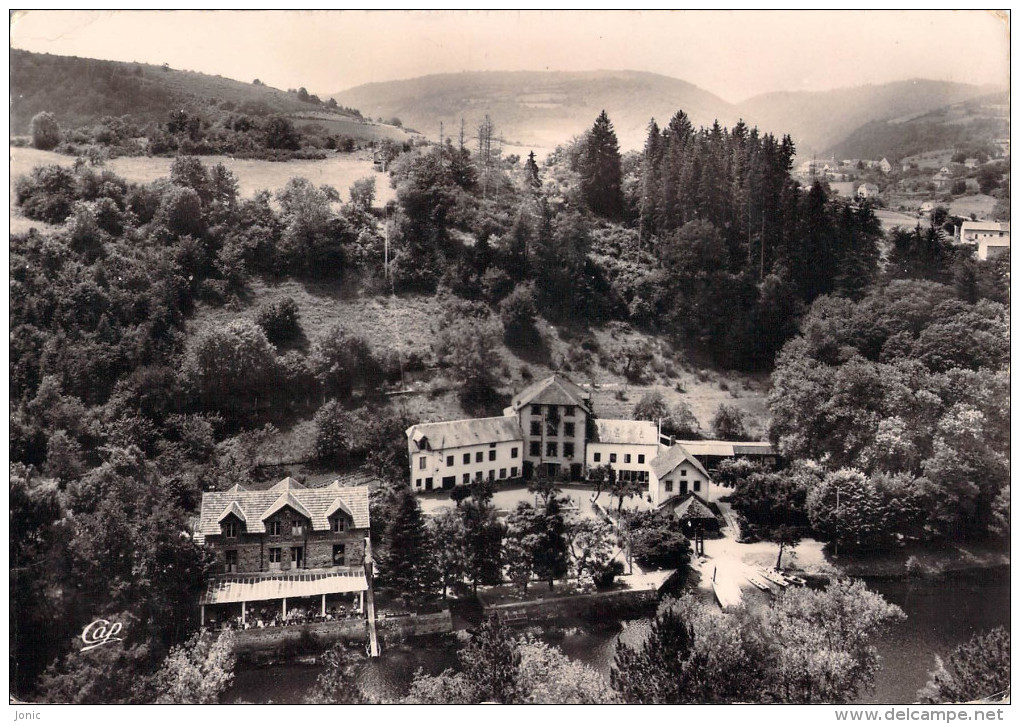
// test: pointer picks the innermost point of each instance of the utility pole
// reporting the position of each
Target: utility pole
(440, 133)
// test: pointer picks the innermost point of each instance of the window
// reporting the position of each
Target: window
(492, 454)
(449, 461)
(478, 476)
(231, 558)
(568, 449)
(417, 483)
(697, 485)
(421, 463)
(551, 449)
(513, 472)
(297, 528)
(478, 456)
(338, 524)
(568, 411)
(536, 427)
(513, 452)
(626, 458)
(275, 528)
(428, 483)
(467, 458)
(492, 444)
(230, 529)
(536, 409)
(683, 473)
(467, 478)
(568, 429)
(492, 475)
(597, 457)
(339, 554)
(551, 429)
(297, 556)
(612, 457)
(641, 459)
(502, 473)
(535, 448)
(275, 556)
(669, 486)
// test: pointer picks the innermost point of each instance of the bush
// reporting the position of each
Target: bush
(518, 315)
(45, 131)
(334, 433)
(280, 321)
(728, 423)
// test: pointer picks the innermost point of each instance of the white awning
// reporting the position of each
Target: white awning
(268, 587)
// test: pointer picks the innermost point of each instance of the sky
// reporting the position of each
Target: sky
(734, 54)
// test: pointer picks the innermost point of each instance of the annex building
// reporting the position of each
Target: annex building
(551, 426)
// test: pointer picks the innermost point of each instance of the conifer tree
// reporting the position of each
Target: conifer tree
(600, 170)
(407, 565)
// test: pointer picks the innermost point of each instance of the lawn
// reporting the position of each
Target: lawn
(981, 205)
(338, 171)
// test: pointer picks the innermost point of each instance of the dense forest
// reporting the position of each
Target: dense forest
(891, 377)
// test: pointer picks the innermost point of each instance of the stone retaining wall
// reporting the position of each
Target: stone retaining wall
(584, 605)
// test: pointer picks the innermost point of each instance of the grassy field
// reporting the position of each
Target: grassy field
(340, 171)
(981, 205)
(350, 127)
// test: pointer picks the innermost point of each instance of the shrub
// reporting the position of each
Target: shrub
(280, 321)
(518, 315)
(45, 131)
(334, 433)
(728, 423)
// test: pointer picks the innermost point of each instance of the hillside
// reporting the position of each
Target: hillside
(79, 91)
(539, 109)
(973, 124)
(820, 121)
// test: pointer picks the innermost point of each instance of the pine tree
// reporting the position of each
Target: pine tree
(651, 674)
(552, 552)
(531, 173)
(600, 170)
(407, 566)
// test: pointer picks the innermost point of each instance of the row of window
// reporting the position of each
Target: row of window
(231, 529)
(537, 410)
(466, 478)
(466, 459)
(612, 458)
(569, 429)
(297, 557)
(551, 449)
(683, 486)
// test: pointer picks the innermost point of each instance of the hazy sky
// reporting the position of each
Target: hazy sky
(734, 54)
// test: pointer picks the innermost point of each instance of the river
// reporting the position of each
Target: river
(941, 614)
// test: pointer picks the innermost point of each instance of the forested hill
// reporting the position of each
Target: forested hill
(539, 108)
(818, 121)
(973, 124)
(79, 91)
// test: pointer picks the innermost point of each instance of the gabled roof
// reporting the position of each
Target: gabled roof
(689, 507)
(984, 226)
(629, 432)
(288, 483)
(286, 500)
(234, 509)
(672, 458)
(460, 433)
(726, 448)
(317, 504)
(554, 390)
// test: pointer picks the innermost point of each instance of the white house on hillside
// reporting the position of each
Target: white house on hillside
(675, 471)
(867, 191)
(626, 445)
(991, 237)
(445, 454)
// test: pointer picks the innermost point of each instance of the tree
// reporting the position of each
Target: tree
(785, 535)
(335, 431)
(728, 423)
(362, 193)
(280, 320)
(342, 361)
(603, 477)
(198, 671)
(407, 566)
(520, 544)
(449, 535)
(654, 672)
(531, 174)
(338, 682)
(45, 131)
(232, 366)
(468, 345)
(551, 553)
(546, 676)
(517, 312)
(978, 669)
(279, 133)
(681, 422)
(600, 170)
(483, 542)
(651, 406)
(491, 661)
(591, 544)
(657, 541)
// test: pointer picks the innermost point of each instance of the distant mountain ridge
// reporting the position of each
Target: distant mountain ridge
(546, 108)
(540, 108)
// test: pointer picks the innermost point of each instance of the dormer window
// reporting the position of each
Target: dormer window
(337, 524)
(230, 529)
